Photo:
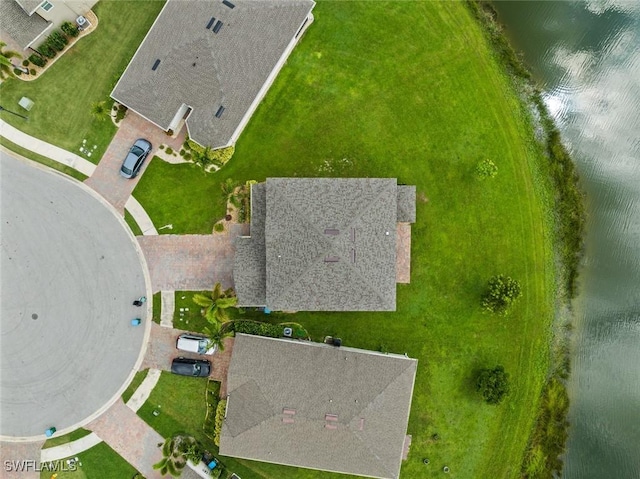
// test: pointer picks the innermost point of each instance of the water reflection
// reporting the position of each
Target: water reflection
(587, 57)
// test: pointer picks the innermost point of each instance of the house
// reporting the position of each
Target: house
(25, 24)
(317, 406)
(209, 63)
(324, 244)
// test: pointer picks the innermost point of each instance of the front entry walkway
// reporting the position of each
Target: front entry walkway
(190, 262)
(130, 437)
(106, 179)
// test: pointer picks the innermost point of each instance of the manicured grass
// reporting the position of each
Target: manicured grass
(67, 170)
(72, 436)
(190, 209)
(135, 229)
(157, 307)
(191, 320)
(98, 462)
(84, 75)
(137, 381)
(181, 403)
(419, 97)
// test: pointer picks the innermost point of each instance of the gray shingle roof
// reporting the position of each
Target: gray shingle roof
(406, 204)
(28, 6)
(207, 70)
(328, 245)
(369, 394)
(22, 28)
(250, 259)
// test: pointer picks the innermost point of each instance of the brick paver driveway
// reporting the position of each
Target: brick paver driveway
(106, 180)
(14, 455)
(162, 349)
(190, 262)
(130, 437)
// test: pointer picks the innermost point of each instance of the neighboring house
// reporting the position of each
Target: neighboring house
(324, 244)
(27, 23)
(317, 406)
(209, 63)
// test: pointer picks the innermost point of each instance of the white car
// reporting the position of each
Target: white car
(195, 344)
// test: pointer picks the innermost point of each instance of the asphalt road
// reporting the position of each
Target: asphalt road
(69, 272)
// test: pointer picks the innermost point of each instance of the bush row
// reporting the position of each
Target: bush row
(258, 329)
(55, 43)
(217, 430)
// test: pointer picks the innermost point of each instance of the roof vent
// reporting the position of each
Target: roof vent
(155, 65)
(220, 111)
(331, 417)
(228, 4)
(332, 232)
(217, 27)
(213, 19)
(331, 259)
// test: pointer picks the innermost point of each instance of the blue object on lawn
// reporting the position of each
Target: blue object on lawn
(212, 465)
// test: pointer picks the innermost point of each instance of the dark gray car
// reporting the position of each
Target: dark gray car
(191, 367)
(135, 158)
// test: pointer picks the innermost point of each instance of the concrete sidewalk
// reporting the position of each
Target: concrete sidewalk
(46, 149)
(72, 448)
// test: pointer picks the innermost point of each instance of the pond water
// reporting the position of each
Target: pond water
(586, 57)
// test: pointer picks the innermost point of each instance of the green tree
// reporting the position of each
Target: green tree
(175, 452)
(99, 110)
(486, 169)
(493, 384)
(216, 303)
(501, 293)
(6, 67)
(216, 333)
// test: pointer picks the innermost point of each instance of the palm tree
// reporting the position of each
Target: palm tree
(175, 452)
(6, 67)
(216, 303)
(100, 110)
(216, 334)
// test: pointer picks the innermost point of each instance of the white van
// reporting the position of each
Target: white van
(195, 344)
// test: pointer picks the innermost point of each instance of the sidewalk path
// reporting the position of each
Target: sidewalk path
(140, 215)
(141, 394)
(69, 449)
(46, 149)
(167, 308)
(130, 437)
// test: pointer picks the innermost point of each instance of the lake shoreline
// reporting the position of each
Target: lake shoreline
(548, 439)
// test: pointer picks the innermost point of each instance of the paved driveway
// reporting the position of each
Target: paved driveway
(162, 349)
(190, 262)
(70, 271)
(106, 179)
(13, 455)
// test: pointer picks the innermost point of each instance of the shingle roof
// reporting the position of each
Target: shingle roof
(250, 259)
(28, 6)
(22, 28)
(207, 70)
(363, 396)
(406, 204)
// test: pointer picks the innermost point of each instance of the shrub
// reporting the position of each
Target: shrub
(217, 428)
(32, 71)
(207, 156)
(218, 227)
(161, 147)
(99, 110)
(169, 150)
(57, 41)
(120, 114)
(486, 169)
(47, 51)
(70, 29)
(502, 292)
(17, 71)
(182, 152)
(25, 63)
(493, 384)
(37, 60)
(258, 329)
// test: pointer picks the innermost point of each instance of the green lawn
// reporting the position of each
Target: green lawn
(157, 307)
(98, 462)
(135, 229)
(191, 320)
(84, 75)
(182, 195)
(410, 90)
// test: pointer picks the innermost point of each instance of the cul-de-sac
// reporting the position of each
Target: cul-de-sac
(264, 239)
